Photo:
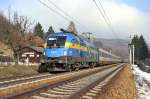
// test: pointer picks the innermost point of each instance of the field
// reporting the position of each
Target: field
(10, 71)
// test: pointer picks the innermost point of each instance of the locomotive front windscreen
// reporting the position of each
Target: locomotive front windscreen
(56, 42)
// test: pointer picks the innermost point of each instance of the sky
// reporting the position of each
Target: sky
(128, 17)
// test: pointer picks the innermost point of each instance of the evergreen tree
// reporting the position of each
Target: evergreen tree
(135, 41)
(141, 48)
(144, 51)
(50, 30)
(38, 30)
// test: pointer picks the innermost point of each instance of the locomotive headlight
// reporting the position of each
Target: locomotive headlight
(44, 53)
(65, 53)
(45, 45)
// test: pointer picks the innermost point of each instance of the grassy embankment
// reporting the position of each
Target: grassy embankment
(10, 71)
(122, 86)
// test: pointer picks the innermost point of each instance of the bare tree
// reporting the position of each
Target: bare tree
(72, 28)
(21, 23)
(4, 24)
(14, 32)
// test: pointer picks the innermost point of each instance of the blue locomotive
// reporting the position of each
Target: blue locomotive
(67, 51)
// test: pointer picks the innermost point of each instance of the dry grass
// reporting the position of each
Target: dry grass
(51, 81)
(122, 86)
(5, 49)
(10, 71)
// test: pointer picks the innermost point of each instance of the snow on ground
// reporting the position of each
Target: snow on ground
(140, 76)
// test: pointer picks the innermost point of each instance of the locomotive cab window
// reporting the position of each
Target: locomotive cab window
(74, 41)
(56, 42)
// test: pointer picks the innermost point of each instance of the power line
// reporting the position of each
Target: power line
(66, 14)
(53, 10)
(59, 9)
(100, 2)
(101, 12)
(104, 11)
(105, 16)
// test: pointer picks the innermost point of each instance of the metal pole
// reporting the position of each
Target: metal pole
(133, 53)
(130, 55)
(88, 34)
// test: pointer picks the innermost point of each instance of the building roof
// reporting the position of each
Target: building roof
(37, 49)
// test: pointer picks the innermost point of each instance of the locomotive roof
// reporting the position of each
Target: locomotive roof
(72, 35)
(61, 34)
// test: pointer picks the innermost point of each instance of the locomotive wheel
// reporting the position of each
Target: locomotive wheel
(42, 68)
(69, 68)
(77, 66)
(91, 65)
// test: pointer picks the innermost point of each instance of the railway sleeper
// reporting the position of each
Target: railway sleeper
(66, 92)
(49, 95)
(87, 97)
(58, 92)
(39, 97)
(62, 90)
(91, 94)
(69, 88)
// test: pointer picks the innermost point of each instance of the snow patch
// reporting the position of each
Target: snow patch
(142, 87)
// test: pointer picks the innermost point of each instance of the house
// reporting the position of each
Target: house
(30, 54)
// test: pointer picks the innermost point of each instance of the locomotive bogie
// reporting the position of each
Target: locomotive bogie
(67, 51)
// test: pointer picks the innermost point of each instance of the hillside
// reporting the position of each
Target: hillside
(117, 46)
(4, 49)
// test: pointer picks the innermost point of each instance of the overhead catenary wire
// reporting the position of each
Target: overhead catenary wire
(67, 17)
(53, 10)
(63, 14)
(100, 2)
(104, 12)
(105, 16)
(66, 14)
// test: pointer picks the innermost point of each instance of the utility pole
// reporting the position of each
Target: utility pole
(131, 52)
(88, 34)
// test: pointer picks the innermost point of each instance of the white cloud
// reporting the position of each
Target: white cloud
(125, 19)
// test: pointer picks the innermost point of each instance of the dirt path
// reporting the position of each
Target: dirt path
(122, 86)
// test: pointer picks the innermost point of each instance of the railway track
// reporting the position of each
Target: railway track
(85, 88)
(15, 77)
(7, 83)
(67, 85)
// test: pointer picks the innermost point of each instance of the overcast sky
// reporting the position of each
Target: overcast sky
(128, 17)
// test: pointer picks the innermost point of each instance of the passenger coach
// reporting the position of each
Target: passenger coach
(67, 51)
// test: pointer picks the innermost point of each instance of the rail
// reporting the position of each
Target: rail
(32, 87)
